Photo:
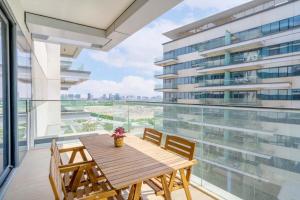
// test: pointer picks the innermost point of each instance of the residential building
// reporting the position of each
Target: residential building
(247, 55)
(71, 75)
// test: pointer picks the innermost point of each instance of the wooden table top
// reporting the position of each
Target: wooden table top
(136, 161)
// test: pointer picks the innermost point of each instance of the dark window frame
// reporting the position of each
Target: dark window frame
(9, 74)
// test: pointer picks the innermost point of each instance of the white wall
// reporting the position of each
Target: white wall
(18, 13)
(45, 87)
(45, 78)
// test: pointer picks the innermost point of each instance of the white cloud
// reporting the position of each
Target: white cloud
(129, 85)
(217, 5)
(139, 50)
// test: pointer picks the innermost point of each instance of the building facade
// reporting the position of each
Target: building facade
(248, 55)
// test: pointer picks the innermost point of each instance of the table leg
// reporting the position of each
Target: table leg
(131, 193)
(138, 191)
(167, 193)
(135, 191)
(185, 185)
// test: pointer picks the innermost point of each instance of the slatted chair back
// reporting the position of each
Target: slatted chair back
(56, 181)
(180, 146)
(55, 153)
(153, 136)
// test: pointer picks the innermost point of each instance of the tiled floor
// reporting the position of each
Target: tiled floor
(31, 181)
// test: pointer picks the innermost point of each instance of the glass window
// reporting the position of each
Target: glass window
(3, 155)
(296, 46)
(297, 21)
(283, 72)
(265, 51)
(273, 94)
(265, 29)
(291, 22)
(284, 48)
(295, 70)
(4, 138)
(273, 73)
(24, 84)
(296, 94)
(273, 50)
(251, 56)
(282, 94)
(274, 27)
(284, 24)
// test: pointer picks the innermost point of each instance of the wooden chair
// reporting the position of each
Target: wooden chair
(184, 148)
(153, 136)
(76, 174)
(73, 150)
(85, 192)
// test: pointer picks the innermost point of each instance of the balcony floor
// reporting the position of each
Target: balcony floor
(31, 181)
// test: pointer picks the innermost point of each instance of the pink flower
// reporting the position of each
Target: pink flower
(119, 132)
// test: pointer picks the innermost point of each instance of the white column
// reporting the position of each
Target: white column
(46, 88)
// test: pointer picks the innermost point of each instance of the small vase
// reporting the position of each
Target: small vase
(119, 142)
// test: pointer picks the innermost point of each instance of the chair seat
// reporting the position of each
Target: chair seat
(86, 191)
(156, 185)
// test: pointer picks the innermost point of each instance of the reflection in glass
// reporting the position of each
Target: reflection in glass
(24, 90)
(1, 104)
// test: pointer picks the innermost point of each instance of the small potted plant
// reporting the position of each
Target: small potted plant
(118, 136)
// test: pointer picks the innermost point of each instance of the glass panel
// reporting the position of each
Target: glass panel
(24, 90)
(297, 21)
(275, 27)
(284, 24)
(265, 29)
(3, 137)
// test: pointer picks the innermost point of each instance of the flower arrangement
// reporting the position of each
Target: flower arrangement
(118, 136)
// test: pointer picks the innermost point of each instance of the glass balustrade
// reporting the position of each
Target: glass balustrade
(245, 153)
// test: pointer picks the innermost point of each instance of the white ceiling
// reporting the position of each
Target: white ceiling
(96, 24)
(95, 13)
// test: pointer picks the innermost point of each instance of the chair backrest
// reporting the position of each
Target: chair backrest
(56, 181)
(180, 146)
(153, 136)
(55, 152)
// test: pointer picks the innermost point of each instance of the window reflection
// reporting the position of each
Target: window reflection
(24, 85)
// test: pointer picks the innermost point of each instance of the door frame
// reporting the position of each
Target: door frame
(9, 83)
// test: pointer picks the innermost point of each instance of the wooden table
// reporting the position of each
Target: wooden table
(134, 163)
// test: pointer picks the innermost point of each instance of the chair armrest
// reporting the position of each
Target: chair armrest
(78, 148)
(76, 166)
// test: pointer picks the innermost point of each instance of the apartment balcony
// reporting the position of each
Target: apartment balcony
(166, 61)
(236, 145)
(252, 41)
(240, 84)
(165, 75)
(71, 77)
(165, 87)
(245, 65)
(236, 47)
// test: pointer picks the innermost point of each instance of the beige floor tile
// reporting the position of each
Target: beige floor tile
(31, 181)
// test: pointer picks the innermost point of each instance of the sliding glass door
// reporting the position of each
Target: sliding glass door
(4, 127)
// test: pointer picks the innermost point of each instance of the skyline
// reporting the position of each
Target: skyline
(128, 69)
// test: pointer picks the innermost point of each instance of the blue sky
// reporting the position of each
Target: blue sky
(128, 68)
